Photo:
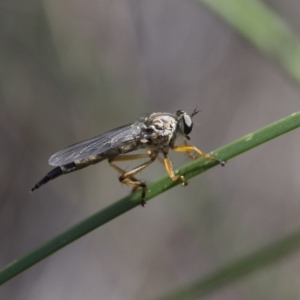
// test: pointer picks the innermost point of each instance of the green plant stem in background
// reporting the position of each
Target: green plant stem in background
(238, 269)
(261, 26)
(153, 189)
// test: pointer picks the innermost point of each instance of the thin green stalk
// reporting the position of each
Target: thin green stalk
(238, 269)
(153, 189)
(263, 28)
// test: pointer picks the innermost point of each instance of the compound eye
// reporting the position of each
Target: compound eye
(187, 124)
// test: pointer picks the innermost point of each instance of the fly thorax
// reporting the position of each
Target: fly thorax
(159, 131)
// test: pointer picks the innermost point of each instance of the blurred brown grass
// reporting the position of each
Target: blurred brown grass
(71, 70)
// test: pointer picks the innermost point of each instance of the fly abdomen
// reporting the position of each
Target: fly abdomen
(55, 173)
(68, 168)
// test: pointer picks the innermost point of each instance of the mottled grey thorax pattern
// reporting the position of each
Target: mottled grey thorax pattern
(158, 132)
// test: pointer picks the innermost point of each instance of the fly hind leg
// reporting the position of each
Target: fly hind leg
(127, 177)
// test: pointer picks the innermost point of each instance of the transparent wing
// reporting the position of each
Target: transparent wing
(106, 141)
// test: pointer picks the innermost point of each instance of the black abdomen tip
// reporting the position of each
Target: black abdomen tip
(51, 175)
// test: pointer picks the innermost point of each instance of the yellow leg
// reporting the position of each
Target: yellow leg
(190, 154)
(188, 148)
(124, 158)
(170, 170)
(127, 177)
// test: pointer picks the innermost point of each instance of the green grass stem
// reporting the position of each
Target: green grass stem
(238, 269)
(155, 188)
(263, 28)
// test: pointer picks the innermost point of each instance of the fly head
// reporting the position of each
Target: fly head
(185, 122)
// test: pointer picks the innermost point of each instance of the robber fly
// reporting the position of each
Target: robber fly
(156, 133)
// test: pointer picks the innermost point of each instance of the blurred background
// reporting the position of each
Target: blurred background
(70, 70)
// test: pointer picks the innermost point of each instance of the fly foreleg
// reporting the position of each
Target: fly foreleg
(189, 148)
(190, 154)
